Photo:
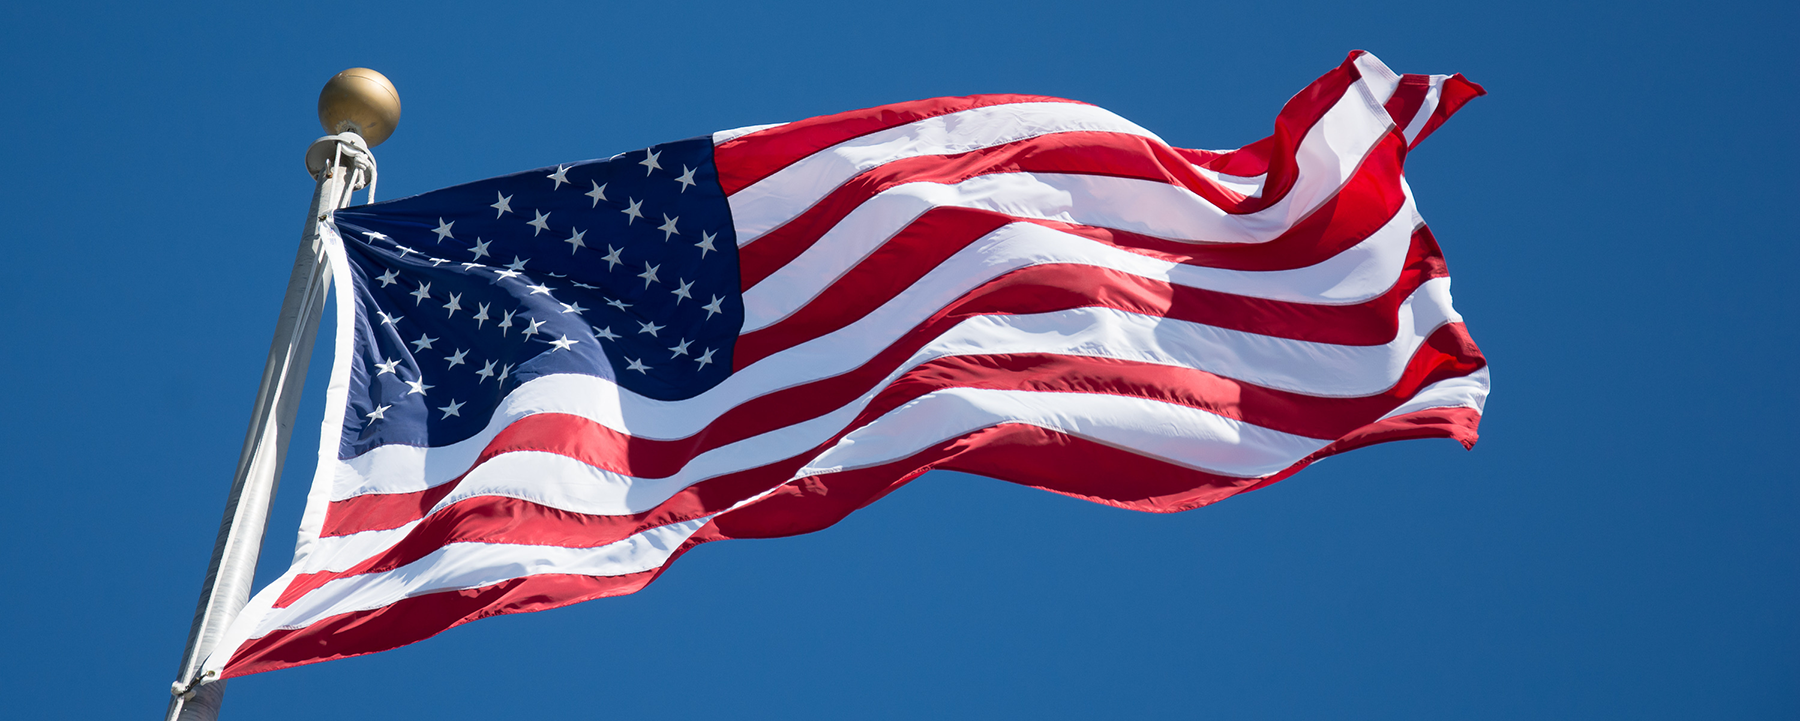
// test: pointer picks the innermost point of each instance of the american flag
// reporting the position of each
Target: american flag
(549, 385)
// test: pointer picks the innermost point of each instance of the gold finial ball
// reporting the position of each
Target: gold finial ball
(362, 101)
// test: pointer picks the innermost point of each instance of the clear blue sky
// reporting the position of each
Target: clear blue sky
(1616, 213)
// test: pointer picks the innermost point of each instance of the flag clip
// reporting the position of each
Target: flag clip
(186, 691)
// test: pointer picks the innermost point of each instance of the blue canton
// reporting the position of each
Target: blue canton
(624, 268)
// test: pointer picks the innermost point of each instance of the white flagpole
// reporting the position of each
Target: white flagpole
(361, 107)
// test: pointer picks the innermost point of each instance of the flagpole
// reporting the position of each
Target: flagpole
(361, 108)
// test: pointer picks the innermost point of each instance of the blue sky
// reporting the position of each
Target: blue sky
(1622, 543)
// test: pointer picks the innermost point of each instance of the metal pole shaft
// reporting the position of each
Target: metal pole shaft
(233, 568)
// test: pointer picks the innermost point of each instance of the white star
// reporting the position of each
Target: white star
(422, 293)
(598, 193)
(632, 210)
(506, 322)
(620, 304)
(574, 240)
(649, 274)
(504, 372)
(379, 413)
(649, 161)
(471, 266)
(533, 330)
(713, 307)
(389, 277)
(504, 205)
(682, 292)
(455, 304)
(508, 273)
(563, 344)
(612, 257)
(387, 367)
(452, 409)
(650, 328)
(580, 284)
(403, 250)
(539, 289)
(375, 236)
(605, 333)
(541, 222)
(573, 308)
(456, 358)
(388, 319)
(486, 372)
(517, 264)
(418, 387)
(481, 315)
(680, 349)
(480, 250)
(560, 176)
(435, 262)
(443, 230)
(705, 358)
(706, 243)
(637, 365)
(423, 343)
(686, 179)
(668, 226)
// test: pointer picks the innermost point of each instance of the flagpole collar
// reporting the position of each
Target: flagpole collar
(341, 149)
(361, 101)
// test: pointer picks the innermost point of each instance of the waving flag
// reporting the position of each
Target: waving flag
(549, 385)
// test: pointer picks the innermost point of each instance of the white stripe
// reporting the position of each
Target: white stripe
(1326, 157)
(1470, 391)
(1319, 369)
(1364, 271)
(1379, 81)
(1429, 106)
(1249, 186)
(338, 553)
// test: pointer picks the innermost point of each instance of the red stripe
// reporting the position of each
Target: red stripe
(1457, 92)
(749, 158)
(1027, 455)
(1409, 96)
(1366, 202)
